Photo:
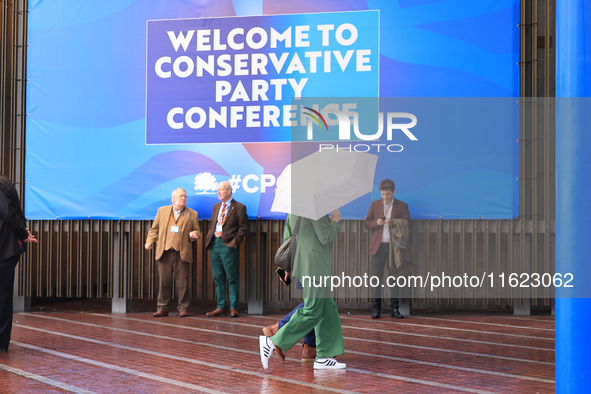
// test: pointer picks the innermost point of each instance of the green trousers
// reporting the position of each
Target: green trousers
(320, 314)
(225, 263)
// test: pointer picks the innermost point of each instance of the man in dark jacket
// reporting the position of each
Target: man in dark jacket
(223, 241)
(378, 219)
(13, 235)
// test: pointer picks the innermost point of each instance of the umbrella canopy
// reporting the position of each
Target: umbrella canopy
(324, 181)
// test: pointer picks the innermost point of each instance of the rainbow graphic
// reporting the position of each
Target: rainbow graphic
(315, 118)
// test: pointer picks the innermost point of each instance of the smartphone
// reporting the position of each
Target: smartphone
(281, 274)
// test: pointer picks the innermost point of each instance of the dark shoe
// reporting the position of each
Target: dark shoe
(234, 313)
(376, 314)
(396, 314)
(269, 331)
(217, 312)
(184, 313)
(160, 314)
(3, 349)
(308, 354)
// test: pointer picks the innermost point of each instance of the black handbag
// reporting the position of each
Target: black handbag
(286, 253)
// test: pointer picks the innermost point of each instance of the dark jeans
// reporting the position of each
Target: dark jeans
(310, 338)
(378, 262)
(6, 294)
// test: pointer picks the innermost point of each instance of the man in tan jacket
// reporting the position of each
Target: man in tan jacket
(173, 230)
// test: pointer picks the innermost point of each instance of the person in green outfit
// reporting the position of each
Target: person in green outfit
(312, 262)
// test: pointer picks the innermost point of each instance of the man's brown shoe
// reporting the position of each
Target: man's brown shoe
(160, 314)
(279, 353)
(308, 354)
(184, 313)
(216, 312)
(269, 331)
(234, 313)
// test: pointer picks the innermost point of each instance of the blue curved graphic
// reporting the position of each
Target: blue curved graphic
(500, 39)
(416, 80)
(150, 174)
(91, 72)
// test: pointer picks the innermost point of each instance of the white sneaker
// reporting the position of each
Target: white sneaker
(328, 363)
(266, 347)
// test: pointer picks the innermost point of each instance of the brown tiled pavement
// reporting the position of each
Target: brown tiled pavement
(95, 351)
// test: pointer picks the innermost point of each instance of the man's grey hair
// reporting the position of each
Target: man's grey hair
(227, 184)
(175, 191)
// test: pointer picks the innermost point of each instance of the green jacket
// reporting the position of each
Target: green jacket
(314, 245)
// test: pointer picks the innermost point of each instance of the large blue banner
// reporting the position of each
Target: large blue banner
(130, 99)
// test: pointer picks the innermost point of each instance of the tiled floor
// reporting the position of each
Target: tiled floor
(56, 351)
